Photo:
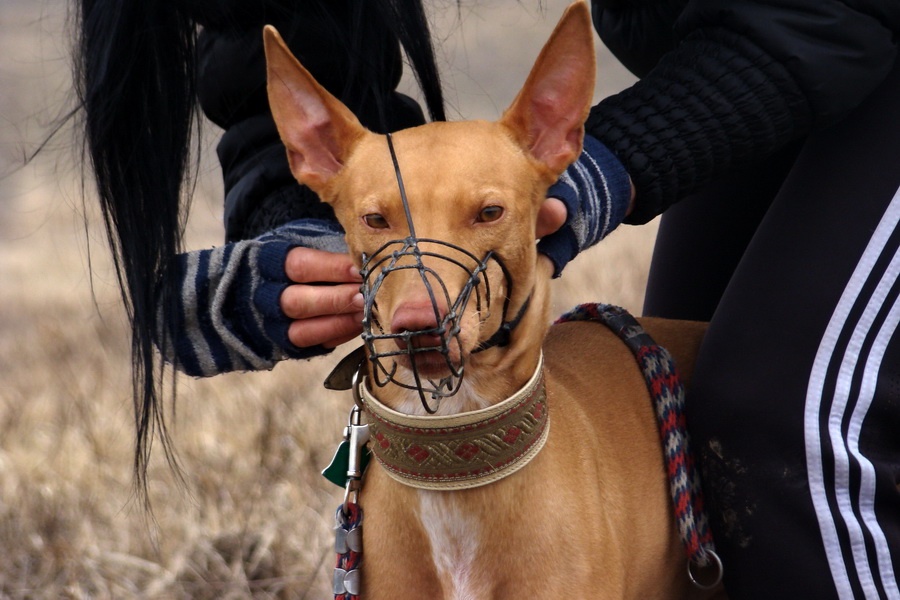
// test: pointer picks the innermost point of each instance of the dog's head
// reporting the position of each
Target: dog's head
(473, 188)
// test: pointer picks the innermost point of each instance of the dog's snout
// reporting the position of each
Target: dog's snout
(421, 322)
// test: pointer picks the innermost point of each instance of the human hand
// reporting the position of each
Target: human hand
(324, 303)
(601, 194)
(551, 216)
(553, 213)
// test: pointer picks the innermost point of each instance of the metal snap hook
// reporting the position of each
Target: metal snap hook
(355, 382)
(357, 436)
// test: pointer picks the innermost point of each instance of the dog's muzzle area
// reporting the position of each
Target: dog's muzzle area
(432, 344)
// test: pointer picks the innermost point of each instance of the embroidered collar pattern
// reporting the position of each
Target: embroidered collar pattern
(460, 451)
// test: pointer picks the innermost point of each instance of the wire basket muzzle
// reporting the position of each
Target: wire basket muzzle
(423, 261)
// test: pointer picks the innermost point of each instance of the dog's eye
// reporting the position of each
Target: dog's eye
(375, 221)
(490, 213)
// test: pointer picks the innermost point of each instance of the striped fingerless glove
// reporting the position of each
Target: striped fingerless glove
(596, 190)
(228, 316)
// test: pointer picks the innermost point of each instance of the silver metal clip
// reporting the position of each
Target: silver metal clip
(357, 433)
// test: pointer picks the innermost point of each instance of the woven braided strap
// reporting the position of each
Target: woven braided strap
(667, 393)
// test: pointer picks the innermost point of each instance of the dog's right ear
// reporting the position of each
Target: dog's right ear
(318, 131)
(547, 117)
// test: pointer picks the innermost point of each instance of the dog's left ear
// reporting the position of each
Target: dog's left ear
(547, 117)
(317, 129)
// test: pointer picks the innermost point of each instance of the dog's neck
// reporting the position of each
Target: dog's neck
(465, 450)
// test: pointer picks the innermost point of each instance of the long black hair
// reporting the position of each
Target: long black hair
(136, 86)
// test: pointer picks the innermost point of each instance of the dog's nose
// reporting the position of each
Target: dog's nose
(420, 322)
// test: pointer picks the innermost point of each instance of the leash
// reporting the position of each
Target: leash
(348, 545)
(667, 392)
(346, 469)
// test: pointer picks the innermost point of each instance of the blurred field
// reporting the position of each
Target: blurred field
(253, 519)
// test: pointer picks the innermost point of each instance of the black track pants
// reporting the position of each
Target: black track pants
(795, 404)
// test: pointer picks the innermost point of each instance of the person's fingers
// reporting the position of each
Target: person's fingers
(308, 265)
(329, 331)
(551, 216)
(342, 340)
(306, 301)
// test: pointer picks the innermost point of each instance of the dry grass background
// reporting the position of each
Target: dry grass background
(254, 518)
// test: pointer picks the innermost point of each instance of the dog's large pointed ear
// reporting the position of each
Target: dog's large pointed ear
(317, 129)
(547, 117)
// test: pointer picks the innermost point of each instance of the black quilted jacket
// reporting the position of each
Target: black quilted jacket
(723, 83)
(727, 82)
(260, 192)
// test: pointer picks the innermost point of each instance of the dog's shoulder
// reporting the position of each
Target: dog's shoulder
(591, 345)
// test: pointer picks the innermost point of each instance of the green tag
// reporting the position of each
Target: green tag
(336, 472)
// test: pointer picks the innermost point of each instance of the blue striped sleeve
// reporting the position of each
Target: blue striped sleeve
(596, 190)
(228, 315)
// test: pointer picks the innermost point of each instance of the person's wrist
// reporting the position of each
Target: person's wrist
(597, 193)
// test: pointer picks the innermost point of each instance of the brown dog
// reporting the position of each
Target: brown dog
(586, 511)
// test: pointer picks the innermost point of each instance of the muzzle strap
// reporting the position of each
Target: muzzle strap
(501, 337)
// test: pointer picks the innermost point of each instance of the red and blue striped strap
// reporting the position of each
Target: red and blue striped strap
(667, 392)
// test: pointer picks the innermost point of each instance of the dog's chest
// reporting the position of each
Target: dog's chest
(454, 537)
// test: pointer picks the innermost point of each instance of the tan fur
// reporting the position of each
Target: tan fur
(590, 516)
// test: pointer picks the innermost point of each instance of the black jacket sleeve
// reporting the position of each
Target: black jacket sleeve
(260, 191)
(734, 82)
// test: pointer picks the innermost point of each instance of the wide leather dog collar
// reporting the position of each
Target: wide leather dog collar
(460, 451)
